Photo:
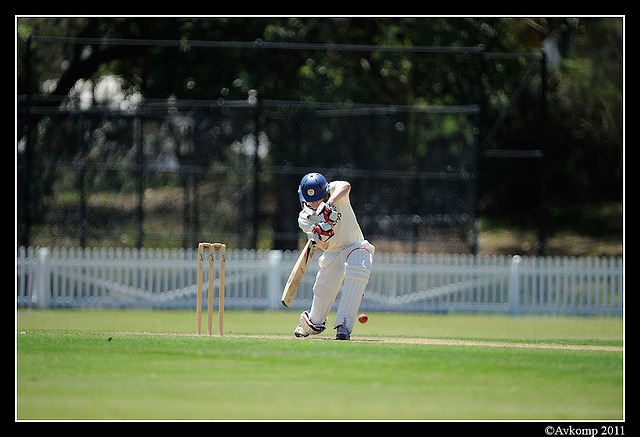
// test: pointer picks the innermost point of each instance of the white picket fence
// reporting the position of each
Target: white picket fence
(154, 278)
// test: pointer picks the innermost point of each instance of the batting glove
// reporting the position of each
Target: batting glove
(322, 231)
(328, 212)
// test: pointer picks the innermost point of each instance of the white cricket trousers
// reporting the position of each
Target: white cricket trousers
(349, 268)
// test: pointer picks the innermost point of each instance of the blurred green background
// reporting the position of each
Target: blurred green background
(143, 131)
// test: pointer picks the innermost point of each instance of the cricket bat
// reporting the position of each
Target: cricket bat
(299, 269)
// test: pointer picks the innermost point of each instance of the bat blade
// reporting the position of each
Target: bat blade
(299, 269)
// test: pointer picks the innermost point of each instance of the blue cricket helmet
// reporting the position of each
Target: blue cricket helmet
(313, 187)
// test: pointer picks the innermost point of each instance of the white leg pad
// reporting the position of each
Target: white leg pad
(356, 277)
(326, 286)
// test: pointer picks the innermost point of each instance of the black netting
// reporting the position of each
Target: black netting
(170, 174)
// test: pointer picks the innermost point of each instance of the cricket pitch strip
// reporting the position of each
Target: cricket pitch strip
(406, 340)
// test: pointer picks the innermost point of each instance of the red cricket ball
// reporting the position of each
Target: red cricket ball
(362, 318)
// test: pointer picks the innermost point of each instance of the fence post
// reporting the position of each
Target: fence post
(514, 286)
(44, 278)
(274, 287)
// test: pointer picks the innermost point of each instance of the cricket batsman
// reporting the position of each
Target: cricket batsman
(328, 218)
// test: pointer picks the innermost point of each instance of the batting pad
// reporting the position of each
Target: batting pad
(356, 278)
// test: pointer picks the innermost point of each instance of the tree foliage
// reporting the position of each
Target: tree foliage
(583, 131)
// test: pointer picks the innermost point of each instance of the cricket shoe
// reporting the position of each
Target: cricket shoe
(307, 327)
(342, 333)
(300, 332)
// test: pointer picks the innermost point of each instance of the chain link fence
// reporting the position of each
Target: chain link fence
(172, 173)
(169, 173)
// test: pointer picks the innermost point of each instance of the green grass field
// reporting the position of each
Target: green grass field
(149, 365)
